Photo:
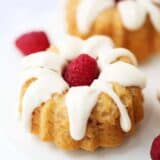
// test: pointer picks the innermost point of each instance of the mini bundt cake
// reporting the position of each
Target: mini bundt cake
(132, 24)
(82, 93)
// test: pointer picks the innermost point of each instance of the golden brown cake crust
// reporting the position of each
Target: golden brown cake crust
(142, 42)
(50, 120)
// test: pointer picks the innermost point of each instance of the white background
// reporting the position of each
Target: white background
(16, 16)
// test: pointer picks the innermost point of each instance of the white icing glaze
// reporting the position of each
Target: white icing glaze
(123, 73)
(155, 17)
(101, 86)
(111, 55)
(88, 10)
(79, 109)
(154, 13)
(79, 100)
(40, 91)
(133, 13)
(68, 46)
(96, 45)
(33, 72)
(45, 59)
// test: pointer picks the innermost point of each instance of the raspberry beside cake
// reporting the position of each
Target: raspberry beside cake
(86, 94)
(132, 24)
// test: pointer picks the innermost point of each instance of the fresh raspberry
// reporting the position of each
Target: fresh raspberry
(118, 0)
(81, 71)
(32, 42)
(155, 149)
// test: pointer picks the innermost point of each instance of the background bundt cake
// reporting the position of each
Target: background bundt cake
(132, 24)
(85, 95)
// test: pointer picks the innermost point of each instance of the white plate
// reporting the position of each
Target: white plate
(22, 146)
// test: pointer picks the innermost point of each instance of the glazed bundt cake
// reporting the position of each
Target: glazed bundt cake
(82, 93)
(132, 24)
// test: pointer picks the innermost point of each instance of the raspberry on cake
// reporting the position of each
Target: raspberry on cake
(155, 149)
(32, 42)
(83, 65)
(88, 94)
(132, 24)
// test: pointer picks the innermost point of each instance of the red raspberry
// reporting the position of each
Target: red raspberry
(32, 42)
(155, 149)
(81, 71)
(117, 0)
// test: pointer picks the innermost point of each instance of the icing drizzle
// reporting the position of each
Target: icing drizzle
(86, 16)
(46, 67)
(133, 13)
(79, 109)
(107, 88)
(48, 82)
